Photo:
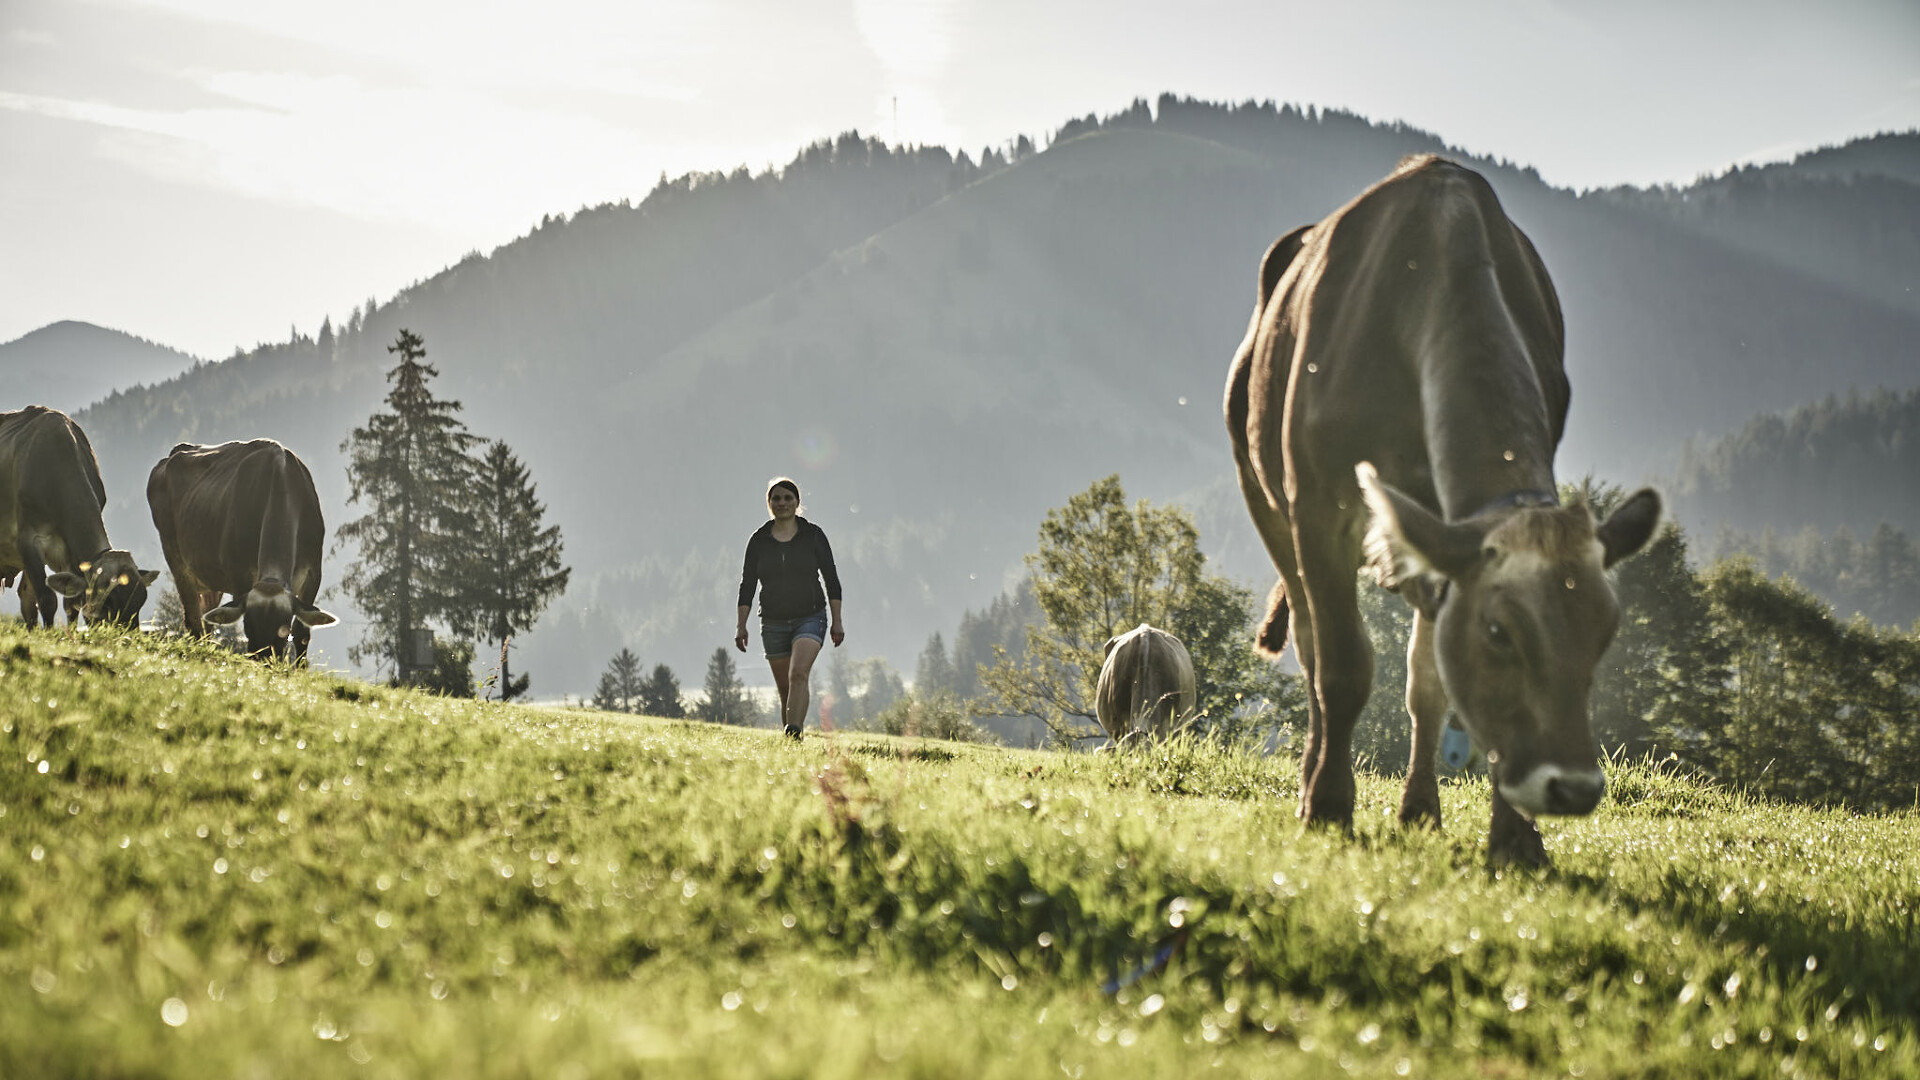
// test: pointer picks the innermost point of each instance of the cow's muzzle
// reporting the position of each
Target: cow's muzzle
(1552, 789)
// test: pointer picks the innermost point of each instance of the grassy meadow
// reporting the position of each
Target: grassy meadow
(211, 868)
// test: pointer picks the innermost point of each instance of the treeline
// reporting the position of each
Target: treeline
(1843, 461)
(1877, 578)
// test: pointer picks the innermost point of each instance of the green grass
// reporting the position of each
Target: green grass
(210, 868)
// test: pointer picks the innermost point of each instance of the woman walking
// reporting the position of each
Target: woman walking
(789, 558)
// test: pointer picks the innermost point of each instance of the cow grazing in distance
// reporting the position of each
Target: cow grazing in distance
(241, 518)
(50, 503)
(1396, 404)
(1146, 685)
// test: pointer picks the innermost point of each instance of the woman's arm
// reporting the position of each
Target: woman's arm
(747, 582)
(823, 553)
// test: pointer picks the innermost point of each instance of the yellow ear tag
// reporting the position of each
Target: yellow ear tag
(85, 566)
(123, 579)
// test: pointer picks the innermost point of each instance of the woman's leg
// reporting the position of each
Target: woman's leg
(797, 696)
(779, 668)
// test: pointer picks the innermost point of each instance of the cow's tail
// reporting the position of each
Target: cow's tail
(1271, 641)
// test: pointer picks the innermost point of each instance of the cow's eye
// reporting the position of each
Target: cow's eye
(1498, 637)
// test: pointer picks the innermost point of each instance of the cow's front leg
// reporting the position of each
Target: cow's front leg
(1427, 705)
(193, 606)
(1513, 838)
(1342, 669)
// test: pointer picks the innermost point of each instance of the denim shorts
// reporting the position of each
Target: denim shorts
(777, 635)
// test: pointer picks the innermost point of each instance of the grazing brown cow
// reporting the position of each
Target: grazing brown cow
(1145, 688)
(1397, 402)
(50, 503)
(242, 518)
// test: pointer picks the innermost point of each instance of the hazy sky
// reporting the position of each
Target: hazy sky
(207, 173)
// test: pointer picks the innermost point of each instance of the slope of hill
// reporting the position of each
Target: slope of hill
(70, 365)
(941, 350)
(212, 868)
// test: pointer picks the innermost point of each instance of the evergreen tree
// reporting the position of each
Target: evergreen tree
(726, 701)
(621, 688)
(410, 468)
(660, 694)
(515, 569)
(934, 673)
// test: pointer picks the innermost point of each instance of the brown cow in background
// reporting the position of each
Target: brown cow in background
(241, 518)
(51, 498)
(1146, 686)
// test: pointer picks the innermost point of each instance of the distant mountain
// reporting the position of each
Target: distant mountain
(70, 365)
(941, 349)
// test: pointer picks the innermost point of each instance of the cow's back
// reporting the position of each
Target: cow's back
(48, 477)
(235, 510)
(1146, 683)
(1383, 320)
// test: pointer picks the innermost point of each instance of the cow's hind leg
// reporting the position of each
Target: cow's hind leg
(1427, 705)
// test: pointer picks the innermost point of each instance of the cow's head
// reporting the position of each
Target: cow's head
(1522, 612)
(276, 621)
(111, 587)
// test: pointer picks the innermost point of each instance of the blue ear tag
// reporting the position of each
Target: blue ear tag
(1456, 747)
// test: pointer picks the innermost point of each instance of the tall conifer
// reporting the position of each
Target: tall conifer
(515, 569)
(410, 468)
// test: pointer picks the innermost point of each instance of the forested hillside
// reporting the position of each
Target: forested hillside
(1851, 460)
(940, 349)
(1849, 216)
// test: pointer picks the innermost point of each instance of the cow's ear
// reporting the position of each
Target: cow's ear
(313, 616)
(67, 584)
(1630, 526)
(225, 614)
(1406, 540)
(148, 577)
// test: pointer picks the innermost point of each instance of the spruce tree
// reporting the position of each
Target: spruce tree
(515, 569)
(621, 689)
(410, 468)
(726, 701)
(934, 673)
(660, 694)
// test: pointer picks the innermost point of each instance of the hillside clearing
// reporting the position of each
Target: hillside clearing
(211, 868)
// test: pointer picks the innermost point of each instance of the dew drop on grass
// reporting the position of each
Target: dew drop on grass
(219, 866)
(1008, 982)
(1812, 962)
(174, 1012)
(41, 768)
(730, 1000)
(1153, 1004)
(43, 980)
(788, 921)
(37, 853)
